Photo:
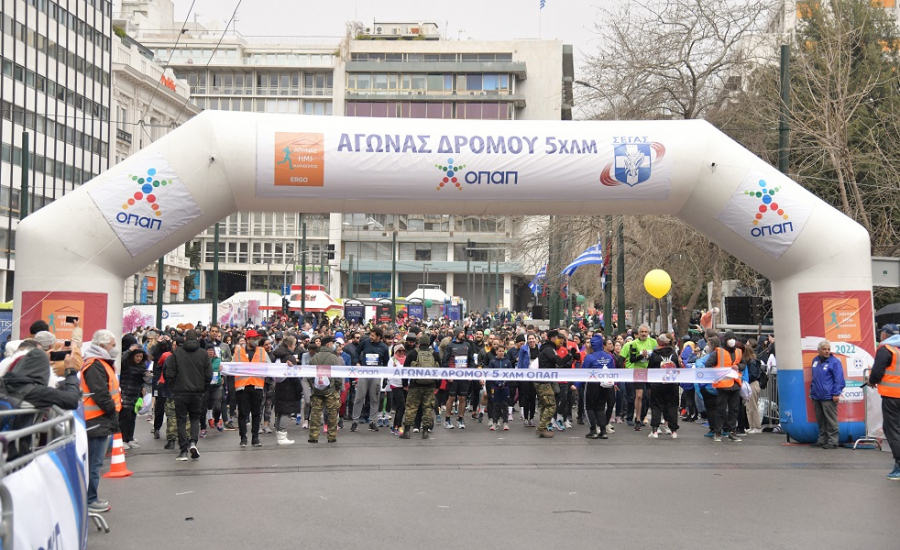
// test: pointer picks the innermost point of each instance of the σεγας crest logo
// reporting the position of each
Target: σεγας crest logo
(632, 163)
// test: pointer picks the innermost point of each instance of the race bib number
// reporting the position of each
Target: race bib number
(372, 359)
(534, 364)
(215, 378)
(461, 361)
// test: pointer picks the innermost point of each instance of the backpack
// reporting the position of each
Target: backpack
(426, 361)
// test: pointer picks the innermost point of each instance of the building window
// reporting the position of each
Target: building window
(317, 108)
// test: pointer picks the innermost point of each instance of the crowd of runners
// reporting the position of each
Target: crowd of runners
(292, 408)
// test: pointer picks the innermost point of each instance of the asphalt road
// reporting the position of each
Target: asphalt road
(510, 490)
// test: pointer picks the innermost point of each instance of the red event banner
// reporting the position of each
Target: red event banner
(847, 321)
(54, 307)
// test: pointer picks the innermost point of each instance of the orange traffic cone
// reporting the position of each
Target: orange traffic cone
(117, 466)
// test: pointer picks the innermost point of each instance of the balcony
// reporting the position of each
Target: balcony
(124, 136)
(421, 95)
(516, 68)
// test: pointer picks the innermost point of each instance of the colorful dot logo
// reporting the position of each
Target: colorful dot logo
(450, 172)
(768, 202)
(148, 184)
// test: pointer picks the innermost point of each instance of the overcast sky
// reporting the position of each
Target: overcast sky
(571, 21)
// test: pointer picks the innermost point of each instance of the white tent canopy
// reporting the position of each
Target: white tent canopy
(221, 162)
(436, 295)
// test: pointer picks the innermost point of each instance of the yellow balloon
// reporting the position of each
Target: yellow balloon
(657, 282)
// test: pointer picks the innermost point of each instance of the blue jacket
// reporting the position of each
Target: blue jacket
(827, 378)
(701, 364)
(524, 361)
(597, 360)
(499, 363)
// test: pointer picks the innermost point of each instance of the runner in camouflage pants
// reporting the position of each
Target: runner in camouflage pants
(331, 402)
(424, 397)
(171, 426)
(547, 404)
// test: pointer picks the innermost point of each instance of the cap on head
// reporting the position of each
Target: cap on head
(890, 329)
(729, 335)
(251, 334)
(663, 338)
(424, 340)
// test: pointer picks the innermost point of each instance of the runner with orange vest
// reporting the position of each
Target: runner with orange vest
(886, 375)
(249, 389)
(728, 400)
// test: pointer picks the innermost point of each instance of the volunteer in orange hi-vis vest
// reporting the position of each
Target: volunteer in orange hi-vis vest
(886, 375)
(249, 389)
(728, 400)
(102, 403)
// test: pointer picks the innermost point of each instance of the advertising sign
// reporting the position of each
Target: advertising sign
(336, 159)
(416, 311)
(145, 203)
(384, 314)
(54, 307)
(355, 313)
(769, 210)
(846, 320)
(5, 325)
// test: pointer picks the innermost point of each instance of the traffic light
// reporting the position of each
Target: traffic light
(469, 249)
(330, 250)
(285, 305)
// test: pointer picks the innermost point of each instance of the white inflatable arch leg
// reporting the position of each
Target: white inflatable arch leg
(81, 248)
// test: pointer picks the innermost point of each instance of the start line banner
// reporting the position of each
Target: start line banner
(656, 376)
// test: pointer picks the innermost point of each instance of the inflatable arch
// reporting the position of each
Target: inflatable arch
(81, 248)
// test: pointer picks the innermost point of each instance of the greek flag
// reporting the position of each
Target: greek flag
(542, 3)
(538, 281)
(593, 255)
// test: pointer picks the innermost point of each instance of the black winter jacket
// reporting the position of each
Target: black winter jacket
(133, 375)
(549, 359)
(189, 369)
(289, 391)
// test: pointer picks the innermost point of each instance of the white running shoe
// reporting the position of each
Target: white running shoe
(653, 435)
(675, 435)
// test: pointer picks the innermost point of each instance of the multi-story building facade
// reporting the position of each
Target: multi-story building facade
(408, 72)
(147, 103)
(55, 86)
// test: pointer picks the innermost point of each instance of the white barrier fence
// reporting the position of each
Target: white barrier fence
(43, 502)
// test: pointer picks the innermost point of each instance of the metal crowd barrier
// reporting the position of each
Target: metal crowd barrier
(768, 401)
(56, 430)
(868, 437)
